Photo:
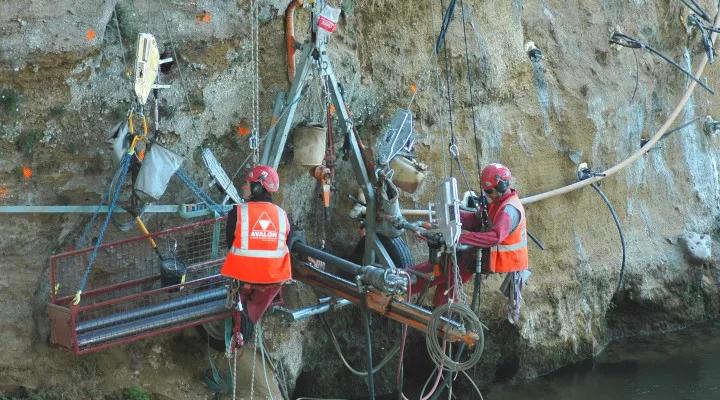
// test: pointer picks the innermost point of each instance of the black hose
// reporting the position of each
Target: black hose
(368, 344)
(447, 17)
(620, 231)
(630, 42)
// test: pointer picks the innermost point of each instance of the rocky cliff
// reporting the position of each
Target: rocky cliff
(64, 82)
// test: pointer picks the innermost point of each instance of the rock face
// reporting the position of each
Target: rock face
(63, 84)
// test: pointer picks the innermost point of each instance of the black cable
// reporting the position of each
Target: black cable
(470, 88)
(620, 231)
(448, 15)
(630, 42)
(368, 344)
(637, 76)
(694, 20)
(695, 7)
(445, 25)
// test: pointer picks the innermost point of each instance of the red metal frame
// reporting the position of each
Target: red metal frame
(75, 311)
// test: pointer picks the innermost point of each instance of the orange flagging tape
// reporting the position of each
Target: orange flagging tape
(90, 34)
(27, 172)
(203, 18)
(243, 128)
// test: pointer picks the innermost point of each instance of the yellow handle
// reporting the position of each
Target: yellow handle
(144, 230)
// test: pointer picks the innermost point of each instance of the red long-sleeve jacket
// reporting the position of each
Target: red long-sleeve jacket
(501, 226)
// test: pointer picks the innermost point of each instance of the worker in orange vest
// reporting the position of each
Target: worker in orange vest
(256, 233)
(506, 239)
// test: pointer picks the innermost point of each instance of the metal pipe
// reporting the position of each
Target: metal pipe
(324, 305)
(89, 209)
(345, 265)
(184, 301)
(150, 323)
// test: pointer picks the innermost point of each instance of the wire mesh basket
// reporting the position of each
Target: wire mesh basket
(127, 297)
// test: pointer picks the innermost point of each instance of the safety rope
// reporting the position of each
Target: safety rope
(199, 193)
(80, 243)
(252, 375)
(436, 104)
(470, 90)
(126, 67)
(644, 149)
(254, 142)
(124, 166)
(452, 143)
(234, 374)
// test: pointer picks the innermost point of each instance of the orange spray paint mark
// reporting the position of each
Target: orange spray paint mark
(90, 34)
(243, 128)
(27, 172)
(203, 18)
(413, 88)
(4, 191)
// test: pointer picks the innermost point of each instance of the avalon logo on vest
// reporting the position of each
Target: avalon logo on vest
(264, 228)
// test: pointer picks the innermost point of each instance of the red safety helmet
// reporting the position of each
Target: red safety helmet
(495, 176)
(266, 175)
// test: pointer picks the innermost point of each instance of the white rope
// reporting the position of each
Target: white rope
(234, 374)
(252, 376)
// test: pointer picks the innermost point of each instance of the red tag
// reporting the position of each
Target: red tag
(327, 24)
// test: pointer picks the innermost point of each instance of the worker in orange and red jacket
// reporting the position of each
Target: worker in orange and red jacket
(256, 233)
(506, 239)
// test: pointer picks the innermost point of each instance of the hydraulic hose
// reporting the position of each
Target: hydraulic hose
(368, 343)
(620, 231)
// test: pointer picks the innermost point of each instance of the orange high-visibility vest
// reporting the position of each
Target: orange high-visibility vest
(511, 254)
(259, 253)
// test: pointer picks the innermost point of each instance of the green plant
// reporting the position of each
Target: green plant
(136, 393)
(27, 141)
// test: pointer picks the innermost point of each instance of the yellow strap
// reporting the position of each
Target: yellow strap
(131, 126)
(145, 126)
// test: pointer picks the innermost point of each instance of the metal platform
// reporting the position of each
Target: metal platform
(125, 299)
